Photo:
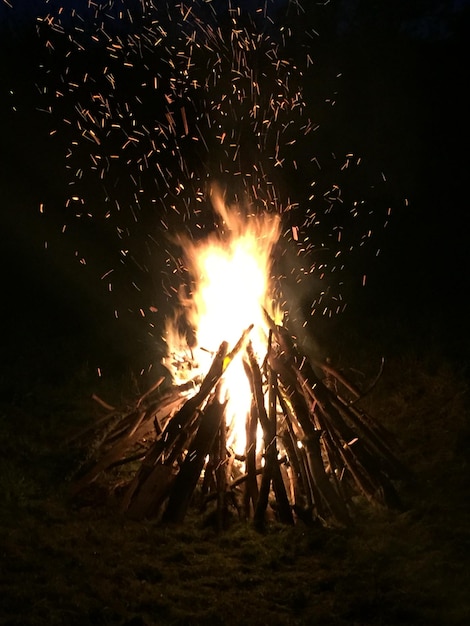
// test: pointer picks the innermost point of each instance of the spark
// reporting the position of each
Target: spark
(158, 102)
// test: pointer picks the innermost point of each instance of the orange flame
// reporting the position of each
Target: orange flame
(231, 274)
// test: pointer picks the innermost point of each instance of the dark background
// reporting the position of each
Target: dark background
(401, 103)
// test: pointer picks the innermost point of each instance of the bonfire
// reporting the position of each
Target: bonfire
(244, 424)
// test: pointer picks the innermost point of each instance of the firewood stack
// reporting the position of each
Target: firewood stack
(319, 449)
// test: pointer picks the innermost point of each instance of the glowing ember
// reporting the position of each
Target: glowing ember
(231, 277)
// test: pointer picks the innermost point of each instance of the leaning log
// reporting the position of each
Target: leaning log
(129, 429)
(221, 476)
(336, 419)
(251, 492)
(303, 497)
(193, 464)
(271, 470)
(173, 440)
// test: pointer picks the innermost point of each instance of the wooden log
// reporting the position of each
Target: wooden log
(185, 415)
(335, 408)
(309, 489)
(152, 493)
(257, 393)
(193, 464)
(309, 379)
(332, 498)
(364, 467)
(130, 428)
(271, 471)
(110, 456)
(208, 427)
(167, 448)
(302, 496)
(251, 492)
(279, 486)
(311, 441)
(221, 476)
(369, 480)
(242, 479)
(361, 463)
(125, 419)
(298, 497)
(330, 371)
(208, 487)
(141, 499)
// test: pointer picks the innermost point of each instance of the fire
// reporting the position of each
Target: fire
(230, 272)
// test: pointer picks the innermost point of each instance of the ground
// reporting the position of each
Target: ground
(64, 563)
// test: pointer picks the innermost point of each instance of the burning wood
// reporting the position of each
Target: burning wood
(317, 450)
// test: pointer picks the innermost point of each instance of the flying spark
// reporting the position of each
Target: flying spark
(157, 104)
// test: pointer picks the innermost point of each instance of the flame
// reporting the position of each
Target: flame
(230, 271)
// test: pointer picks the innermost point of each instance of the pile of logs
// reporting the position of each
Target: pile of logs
(319, 450)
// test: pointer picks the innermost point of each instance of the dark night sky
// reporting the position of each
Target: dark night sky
(402, 104)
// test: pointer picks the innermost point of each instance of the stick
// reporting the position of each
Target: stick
(176, 432)
(250, 494)
(279, 486)
(102, 403)
(312, 447)
(193, 464)
(221, 476)
(271, 468)
(151, 390)
(302, 490)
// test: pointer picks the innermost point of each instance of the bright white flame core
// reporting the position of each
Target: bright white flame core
(232, 285)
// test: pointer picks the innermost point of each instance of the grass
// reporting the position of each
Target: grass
(66, 565)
